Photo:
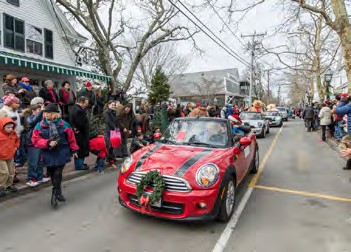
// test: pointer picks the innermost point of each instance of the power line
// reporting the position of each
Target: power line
(225, 23)
(229, 51)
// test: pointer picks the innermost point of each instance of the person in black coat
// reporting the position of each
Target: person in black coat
(80, 124)
(48, 93)
(112, 123)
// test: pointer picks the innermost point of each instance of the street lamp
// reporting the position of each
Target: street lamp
(328, 77)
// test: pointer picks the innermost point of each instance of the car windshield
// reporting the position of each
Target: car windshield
(272, 114)
(251, 116)
(282, 109)
(197, 132)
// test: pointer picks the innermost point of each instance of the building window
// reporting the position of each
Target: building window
(49, 44)
(34, 39)
(14, 2)
(13, 33)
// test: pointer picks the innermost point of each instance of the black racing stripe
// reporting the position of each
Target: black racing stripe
(191, 161)
(145, 156)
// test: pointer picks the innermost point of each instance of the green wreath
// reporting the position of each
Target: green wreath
(152, 177)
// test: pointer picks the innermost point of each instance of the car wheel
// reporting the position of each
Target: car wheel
(255, 162)
(228, 202)
(281, 124)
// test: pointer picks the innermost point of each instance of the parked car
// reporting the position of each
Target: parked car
(283, 112)
(257, 122)
(274, 118)
(201, 165)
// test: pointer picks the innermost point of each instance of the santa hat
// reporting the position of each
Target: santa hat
(235, 118)
(198, 105)
(344, 95)
(8, 100)
(88, 84)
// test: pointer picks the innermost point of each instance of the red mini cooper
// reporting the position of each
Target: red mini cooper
(201, 165)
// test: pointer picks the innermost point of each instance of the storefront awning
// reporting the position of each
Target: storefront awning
(23, 61)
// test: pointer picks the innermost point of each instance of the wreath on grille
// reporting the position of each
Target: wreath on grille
(152, 178)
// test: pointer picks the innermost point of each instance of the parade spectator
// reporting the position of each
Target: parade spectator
(112, 123)
(344, 108)
(67, 99)
(10, 108)
(99, 105)
(338, 120)
(35, 173)
(98, 147)
(55, 138)
(10, 85)
(138, 143)
(88, 92)
(325, 116)
(28, 94)
(80, 125)
(308, 115)
(48, 93)
(126, 119)
(9, 142)
(37, 101)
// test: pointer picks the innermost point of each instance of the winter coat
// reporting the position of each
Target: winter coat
(14, 116)
(48, 97)
(98, 109)
(64, 97)
(88, 94)
(30, 122)
(80, 124)
(137, 144)
(1, 92)
(8, 142)
(308, 113)
(111, 120)
(344, 108)
(67, 146)
(127, 121)
(98, 146)
(13, 89)
(27, 96)
(325, 116)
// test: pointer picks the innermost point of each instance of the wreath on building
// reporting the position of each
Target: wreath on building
(155, 179)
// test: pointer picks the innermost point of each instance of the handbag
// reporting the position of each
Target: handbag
(115, 138)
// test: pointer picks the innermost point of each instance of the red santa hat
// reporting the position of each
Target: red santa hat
(235, 118)
(88, 84)
(344, 95)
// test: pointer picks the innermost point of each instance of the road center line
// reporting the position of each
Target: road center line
(223, 239)
(308, 194)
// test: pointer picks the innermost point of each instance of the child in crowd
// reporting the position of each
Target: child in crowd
(138, 143)
(98, 147)
(9, 142)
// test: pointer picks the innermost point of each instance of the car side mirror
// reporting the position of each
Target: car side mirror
(245, 141)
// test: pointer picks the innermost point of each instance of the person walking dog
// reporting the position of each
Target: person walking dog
(56, 139)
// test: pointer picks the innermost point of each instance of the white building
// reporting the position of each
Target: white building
(36, 41)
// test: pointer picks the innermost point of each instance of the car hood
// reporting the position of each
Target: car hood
(254, 122)
(175, 160)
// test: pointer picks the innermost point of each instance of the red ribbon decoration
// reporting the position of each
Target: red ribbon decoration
(144, 202)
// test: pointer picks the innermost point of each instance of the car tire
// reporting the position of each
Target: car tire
(255, 162)
(281, 124)
(228, 202)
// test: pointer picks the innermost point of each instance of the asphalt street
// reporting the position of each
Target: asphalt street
(274, 219)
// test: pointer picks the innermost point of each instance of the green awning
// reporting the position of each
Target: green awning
(23, 61)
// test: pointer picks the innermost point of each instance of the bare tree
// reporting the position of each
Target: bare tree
(164, 55)
(208, 88)
(112, 25)
(335, 15)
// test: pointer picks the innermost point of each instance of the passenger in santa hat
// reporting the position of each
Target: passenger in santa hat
(238, 129)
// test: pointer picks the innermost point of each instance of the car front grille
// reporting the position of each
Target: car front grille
(173, 184)
(166, 207)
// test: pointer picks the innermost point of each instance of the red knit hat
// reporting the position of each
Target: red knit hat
(344, 95)
(88, 84)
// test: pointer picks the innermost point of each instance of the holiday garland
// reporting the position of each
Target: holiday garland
(151, 178)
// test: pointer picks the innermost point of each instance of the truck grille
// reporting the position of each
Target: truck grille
(173, 184)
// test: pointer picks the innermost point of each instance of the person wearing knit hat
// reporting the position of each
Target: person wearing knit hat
(48, 92)
(88, 92)
(10, 108)
(37, 101)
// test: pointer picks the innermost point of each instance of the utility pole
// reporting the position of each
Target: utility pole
(253, 49)
(279, 92)
(268, 83)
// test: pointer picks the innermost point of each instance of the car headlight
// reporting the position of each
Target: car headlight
(207, 175)
(278, 118)
(126, 164)
(259, 124)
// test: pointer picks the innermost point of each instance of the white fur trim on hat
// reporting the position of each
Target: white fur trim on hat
(233, 119)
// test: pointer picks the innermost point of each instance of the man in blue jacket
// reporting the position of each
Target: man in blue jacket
(344, 108)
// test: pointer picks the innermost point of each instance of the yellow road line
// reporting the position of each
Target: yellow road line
(308, 194)
(254, 180)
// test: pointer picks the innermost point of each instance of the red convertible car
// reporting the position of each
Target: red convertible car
(201, 164)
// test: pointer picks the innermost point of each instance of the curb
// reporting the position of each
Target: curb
(24, 189)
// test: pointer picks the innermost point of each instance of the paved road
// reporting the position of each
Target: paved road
(92, 219)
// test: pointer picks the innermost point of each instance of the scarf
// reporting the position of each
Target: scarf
(51, 91)
(26, 87)
(53, 129)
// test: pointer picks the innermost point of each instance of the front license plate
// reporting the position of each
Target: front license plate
(156, 204)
